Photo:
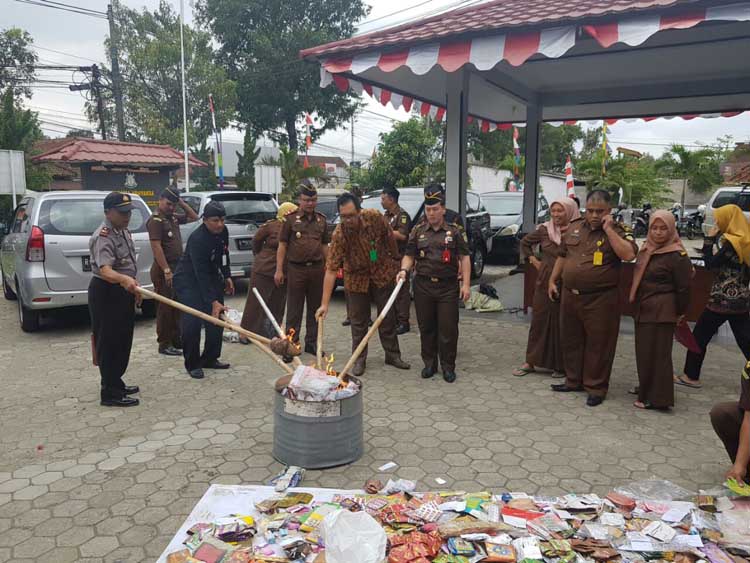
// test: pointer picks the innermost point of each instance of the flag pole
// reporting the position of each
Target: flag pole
(184, 96)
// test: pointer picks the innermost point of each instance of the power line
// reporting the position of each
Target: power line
(65, 8)
(64, 53)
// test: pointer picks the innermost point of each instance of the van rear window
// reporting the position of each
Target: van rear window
(725, 198)
(81, 217)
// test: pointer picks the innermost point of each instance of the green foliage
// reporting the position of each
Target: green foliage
(88, 133)
(19, 130)
(260, 43)
(246, 165)
(293, 172)
(149, 44)
(17, 61)
(637, 177)
(701, 168)
(408, 155)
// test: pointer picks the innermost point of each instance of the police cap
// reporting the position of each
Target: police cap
(307, 189)
(171, 193)
(119, 201)
(434, 194)
(214, 209)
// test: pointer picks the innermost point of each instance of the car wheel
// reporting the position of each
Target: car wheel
(477, 263)
(7, 291)
(148, 308)
(27, 318)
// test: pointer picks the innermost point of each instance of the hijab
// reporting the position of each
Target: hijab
(734, 227)
(285, 209)
(554, 232)
(651, 247)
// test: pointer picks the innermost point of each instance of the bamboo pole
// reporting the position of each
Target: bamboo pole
(297, 362)
(319, 346)
(258, 340)
(360, 348)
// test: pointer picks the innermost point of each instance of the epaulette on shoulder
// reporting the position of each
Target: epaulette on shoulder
(157, 218)
(626, 228)
(104, 232)
(683, 252)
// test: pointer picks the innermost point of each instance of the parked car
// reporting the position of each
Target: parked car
(506, 212)
(477, 221)
(246, 211)
(729, 194)
(44, 257)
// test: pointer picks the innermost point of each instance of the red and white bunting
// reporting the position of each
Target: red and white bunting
(637, 29)
(569, 183)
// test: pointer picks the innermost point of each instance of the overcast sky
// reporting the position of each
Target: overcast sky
(67, 38)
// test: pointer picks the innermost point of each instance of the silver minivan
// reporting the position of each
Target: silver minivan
(246, 211)
(723, 196)
(44, 257)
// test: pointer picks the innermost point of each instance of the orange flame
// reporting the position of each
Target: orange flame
(329, 366)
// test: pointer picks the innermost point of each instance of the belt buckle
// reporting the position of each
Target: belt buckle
(575, 292)
(308, 263)
(434, 280)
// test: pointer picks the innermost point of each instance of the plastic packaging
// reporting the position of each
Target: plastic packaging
(353, 536)
(654, 489)
(234, 317)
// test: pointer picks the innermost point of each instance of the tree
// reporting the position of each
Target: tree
(293, 172)
(556, 144)
(638, 178)
(19, 130)
(88, 133)
(408, 155)
(260, 44)
(149, 46)
(699, 167)
(592, 143)
(246, 162)
(17, 61)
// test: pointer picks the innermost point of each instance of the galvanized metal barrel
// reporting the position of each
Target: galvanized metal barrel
(318, 435)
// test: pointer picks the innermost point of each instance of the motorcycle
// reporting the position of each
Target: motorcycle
(640, 221)
(694, 225)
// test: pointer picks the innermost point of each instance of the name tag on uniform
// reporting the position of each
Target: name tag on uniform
(299, 235)
(598, 254)
(169, 234)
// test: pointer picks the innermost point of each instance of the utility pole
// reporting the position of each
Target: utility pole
(96, 86)
(352, 159)
(184, 95)
(114, 56)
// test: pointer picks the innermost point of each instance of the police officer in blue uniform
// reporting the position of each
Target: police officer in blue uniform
(201, 279)
(112, 298)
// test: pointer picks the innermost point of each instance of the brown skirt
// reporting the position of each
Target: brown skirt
(254, 318)
(653, 357)
(543, 349)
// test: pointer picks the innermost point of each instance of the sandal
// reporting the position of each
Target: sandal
(649, 407)
(634, 390)
(686, 382)
(520, 372)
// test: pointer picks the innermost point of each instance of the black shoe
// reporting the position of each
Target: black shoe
(170, 351)
(178, 346)
(346, 322)
(216, 364)
(403, 329)
(563, 388)
(449, 375)
(197, 373)
(594, 401)
(397, 363)
(120, 402)
(131, 389)
(427, 373)
(286, 359)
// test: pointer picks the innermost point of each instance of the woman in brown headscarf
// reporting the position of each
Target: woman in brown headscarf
(265, 245)
(661, 294)
(543, 349)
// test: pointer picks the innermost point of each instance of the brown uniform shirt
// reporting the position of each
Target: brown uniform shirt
(167, 231)
(427, 246)
(578, 247)
(664, 292)
(399, 221)
(265, 245)
(549, 252)
(352, 253)
(305, 236)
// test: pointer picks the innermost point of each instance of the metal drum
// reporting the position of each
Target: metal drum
(318, 435)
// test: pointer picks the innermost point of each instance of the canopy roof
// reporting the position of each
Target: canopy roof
(95, 151)
(576, 59)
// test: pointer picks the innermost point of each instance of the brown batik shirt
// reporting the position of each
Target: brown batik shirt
(353, 254)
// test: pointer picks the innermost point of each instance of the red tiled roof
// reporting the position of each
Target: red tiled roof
(742, 176)
(315, 160)
(81, 151)
(498, 14)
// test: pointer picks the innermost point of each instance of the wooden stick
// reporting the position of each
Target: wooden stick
(258, 340)
(320, 345)
(360, 348)
(297, 362)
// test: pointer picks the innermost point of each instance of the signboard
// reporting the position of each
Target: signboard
(12, 174)
(330, 168)
(268, 179)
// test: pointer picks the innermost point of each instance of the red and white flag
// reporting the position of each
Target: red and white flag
(569, 178)
(308, 134)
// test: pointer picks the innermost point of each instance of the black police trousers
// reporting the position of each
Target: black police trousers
(112, 311)
(191, 330)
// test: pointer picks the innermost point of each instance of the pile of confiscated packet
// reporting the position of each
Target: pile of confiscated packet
(459, 527)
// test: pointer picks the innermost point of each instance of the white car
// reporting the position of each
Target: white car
(724, 196)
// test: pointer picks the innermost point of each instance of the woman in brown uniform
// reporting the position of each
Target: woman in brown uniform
(543, 349)
(265, 244)
(661, 294)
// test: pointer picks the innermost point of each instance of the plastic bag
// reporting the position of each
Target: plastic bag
(735, 527)
(654, 489)
(235, 317)
(310, 384)
(353, 536)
